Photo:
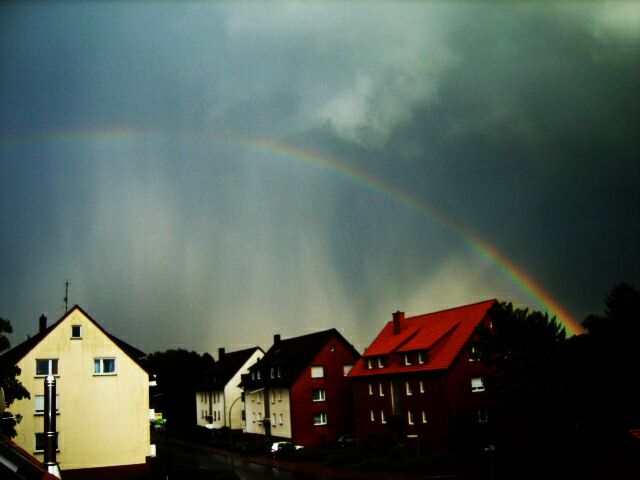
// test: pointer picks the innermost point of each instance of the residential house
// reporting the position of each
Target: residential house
(420, 379)
(299, 390)
(102, 399)
(218, 397)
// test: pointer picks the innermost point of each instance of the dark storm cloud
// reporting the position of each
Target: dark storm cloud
(519, 122)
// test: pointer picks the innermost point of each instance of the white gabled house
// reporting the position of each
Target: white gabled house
(219, 397)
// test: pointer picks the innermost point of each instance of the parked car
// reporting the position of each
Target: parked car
(284, 449)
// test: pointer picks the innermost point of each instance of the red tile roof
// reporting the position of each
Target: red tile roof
(442, 334)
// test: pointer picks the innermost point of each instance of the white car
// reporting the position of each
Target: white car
(284, 449)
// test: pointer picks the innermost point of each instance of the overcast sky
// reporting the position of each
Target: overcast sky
(209, 174)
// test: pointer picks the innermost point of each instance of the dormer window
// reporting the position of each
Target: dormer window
(279, 372)
(422, 357)
(474, 354)
(369, 363)
(407, 359)
(258, 375)
(273, 372)
(380, 363)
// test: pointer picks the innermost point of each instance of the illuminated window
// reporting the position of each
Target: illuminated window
(477, 385)
(317, 371)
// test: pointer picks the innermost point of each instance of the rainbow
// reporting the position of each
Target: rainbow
(327, 163)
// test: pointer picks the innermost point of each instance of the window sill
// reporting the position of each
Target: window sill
(105, 374)
(57, 375)
(40, 414)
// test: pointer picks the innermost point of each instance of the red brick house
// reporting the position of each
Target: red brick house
(299, 390)
(419, 379)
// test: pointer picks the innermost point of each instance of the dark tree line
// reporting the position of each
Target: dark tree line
(177, 373)
(566, 406)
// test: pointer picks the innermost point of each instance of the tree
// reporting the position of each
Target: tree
(13, 389)
(608, 357)
(177, 374)
(524, 350)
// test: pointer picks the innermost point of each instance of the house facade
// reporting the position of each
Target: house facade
(420, 379)
(102, 399)
(219, 396)
(299, 391)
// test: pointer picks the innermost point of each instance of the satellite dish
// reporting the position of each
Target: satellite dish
(2, 405)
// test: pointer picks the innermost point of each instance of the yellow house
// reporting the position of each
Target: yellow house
(102, 397)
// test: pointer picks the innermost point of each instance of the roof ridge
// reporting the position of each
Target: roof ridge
(451, 308)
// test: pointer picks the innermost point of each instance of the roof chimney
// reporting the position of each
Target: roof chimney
(398, 318)
(276, 339)
(221, 353)
(43, 323)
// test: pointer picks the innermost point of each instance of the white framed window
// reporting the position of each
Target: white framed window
(380, 362)
(273, 397)
(422, 357)
(273, 372)
(424, 416)
(76, 331)
(46, 366)
(320, 418)
(477, 385)
(39, 404)
(259, 396)
(279, 395)
(317, 371)
(258, 374)
(421, 386)
(369, 363)
(104, 366)
(407, 359)
(381, 389)
(40, 441)
(281, 421)
(373, 416)
(279, 372)
(346, 369)
(408, 389)
(319, 394)
(410, 419)
(383, 419)
(482, 415)
(370, 389)
(274, 419)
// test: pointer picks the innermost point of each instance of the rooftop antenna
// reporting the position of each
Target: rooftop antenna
(66, 296)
